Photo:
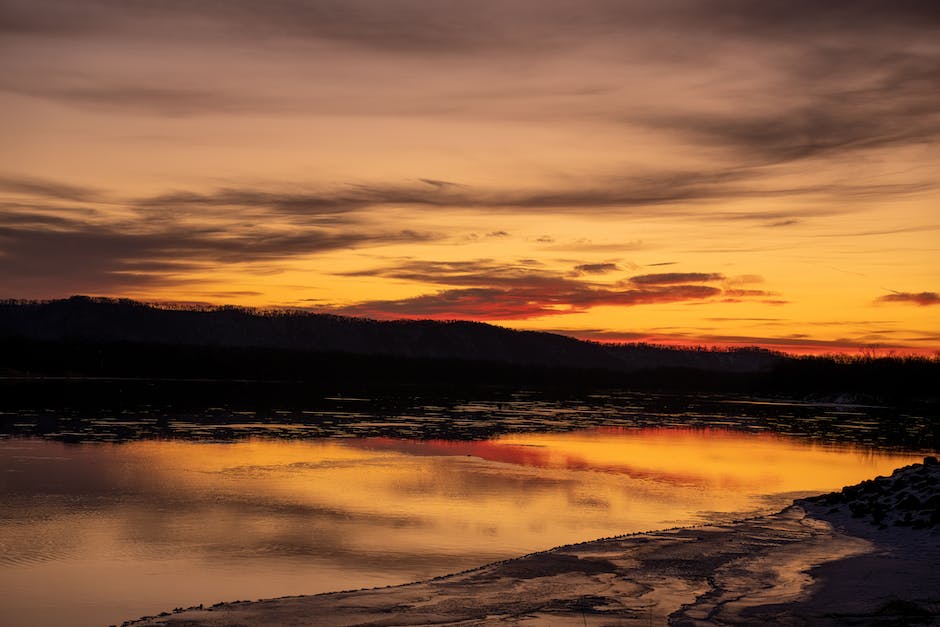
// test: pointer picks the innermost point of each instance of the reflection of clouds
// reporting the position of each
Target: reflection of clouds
(450, 479)
(392, 502)
(547, 457)
(587, 501)
(485, 449)
(311, 516)
(262, 470)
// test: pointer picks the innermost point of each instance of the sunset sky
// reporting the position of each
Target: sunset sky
(709, 172)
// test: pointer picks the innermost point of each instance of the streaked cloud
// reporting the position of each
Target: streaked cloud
(595, 268)
(664, 195)
(670, 278)
(33, 187)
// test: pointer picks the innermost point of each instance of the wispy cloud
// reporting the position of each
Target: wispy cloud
(860, 80)
(663, 196)
(670, 278)
(595, 268)
(32, 187)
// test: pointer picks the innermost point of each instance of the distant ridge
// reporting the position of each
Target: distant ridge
(104, 320)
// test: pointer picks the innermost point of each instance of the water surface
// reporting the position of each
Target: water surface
(93, 534)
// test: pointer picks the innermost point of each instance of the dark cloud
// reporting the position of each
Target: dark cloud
(111, 95)
(485, 289)
(521, 302)
(47, 189)
(438, 183)
(397, 26)
(595, 268)
(177, 232)
(669, 278)
(787, 18)
(922, 299)
(476, 273)
(739, 293)
(846, 79)
(643, 196)
(305, 203)
(77, 256)
(440, 25)
(831, 123)
(850, 76)
(13, 216)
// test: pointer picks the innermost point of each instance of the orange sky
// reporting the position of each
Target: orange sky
(717, 172)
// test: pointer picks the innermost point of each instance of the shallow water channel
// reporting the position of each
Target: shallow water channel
(96, 533)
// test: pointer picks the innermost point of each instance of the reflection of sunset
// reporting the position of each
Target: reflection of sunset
(269, 518)
(522, 490)
(681, 457)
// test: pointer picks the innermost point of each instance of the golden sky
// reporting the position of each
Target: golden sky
(713, 172)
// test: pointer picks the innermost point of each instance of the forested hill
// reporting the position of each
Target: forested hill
(107, 321)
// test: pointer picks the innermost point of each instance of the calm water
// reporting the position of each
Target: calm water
(93, 534)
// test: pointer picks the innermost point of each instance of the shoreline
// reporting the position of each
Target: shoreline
(815, 562)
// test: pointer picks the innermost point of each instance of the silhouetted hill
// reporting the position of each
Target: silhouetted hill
(99, 320)
(81, 338)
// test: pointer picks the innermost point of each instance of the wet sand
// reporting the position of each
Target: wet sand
(811, 564)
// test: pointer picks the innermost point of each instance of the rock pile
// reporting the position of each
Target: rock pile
(910, 497)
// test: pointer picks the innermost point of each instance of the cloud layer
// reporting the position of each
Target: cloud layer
(512, 160)
(487, 290)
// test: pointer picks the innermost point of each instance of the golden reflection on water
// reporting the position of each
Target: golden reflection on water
(163, 523)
